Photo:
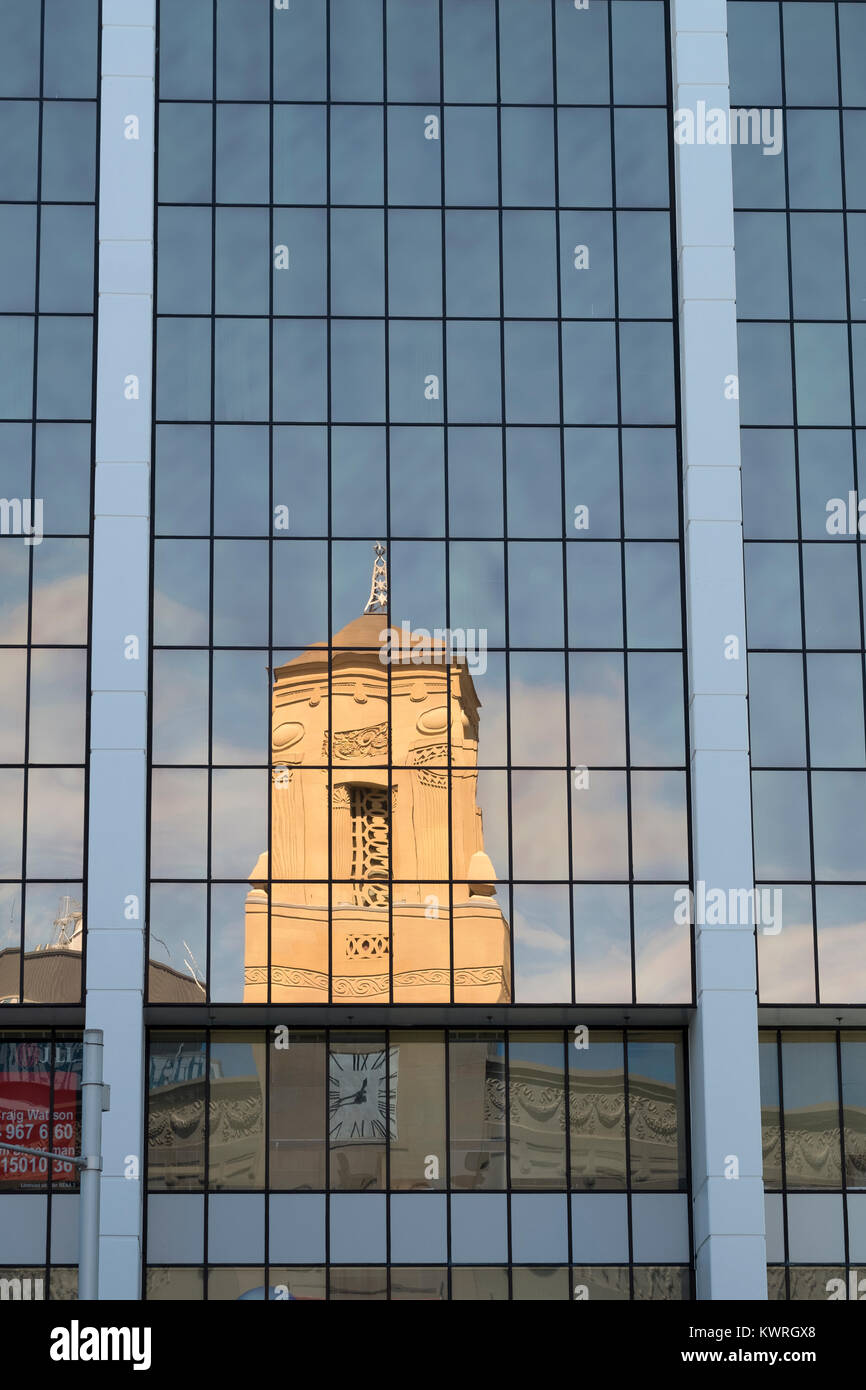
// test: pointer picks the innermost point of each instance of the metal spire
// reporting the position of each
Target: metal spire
(378, 600)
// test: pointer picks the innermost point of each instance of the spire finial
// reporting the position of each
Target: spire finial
(378, 600)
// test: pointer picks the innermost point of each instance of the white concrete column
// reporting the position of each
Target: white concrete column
(725, 1098)
(118, 728)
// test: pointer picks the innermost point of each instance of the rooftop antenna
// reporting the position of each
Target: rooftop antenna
(192, 966)
(378, 600)
(68, 920)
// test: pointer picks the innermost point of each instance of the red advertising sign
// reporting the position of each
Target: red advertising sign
(30, 1119)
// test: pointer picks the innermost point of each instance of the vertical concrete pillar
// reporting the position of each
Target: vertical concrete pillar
(118, 729)
(725, 1099)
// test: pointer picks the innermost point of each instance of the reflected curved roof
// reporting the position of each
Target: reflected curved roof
(368, 632)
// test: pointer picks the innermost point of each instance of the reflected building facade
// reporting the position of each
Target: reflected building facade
(379, 885)
(386, 914)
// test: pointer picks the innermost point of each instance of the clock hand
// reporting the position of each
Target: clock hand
(356, 1099)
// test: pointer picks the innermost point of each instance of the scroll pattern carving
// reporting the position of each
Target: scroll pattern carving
(361, 986)
(358, 743)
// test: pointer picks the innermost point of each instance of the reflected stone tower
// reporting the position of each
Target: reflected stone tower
(400, 885)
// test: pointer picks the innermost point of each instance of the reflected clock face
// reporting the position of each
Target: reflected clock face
(362, 1095)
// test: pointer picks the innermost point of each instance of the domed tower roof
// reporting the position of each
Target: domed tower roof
(367, 632)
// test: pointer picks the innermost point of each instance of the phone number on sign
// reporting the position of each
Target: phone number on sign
(32, 1128)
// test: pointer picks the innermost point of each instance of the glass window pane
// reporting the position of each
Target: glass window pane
(186, 48)
(814, 172)
(356, 50)
(243, 57)
(595, 595)
(597, 1112)
(477, 1114)
(241, 358)
(811, 1099)
(65, 368)
(656, 709)
(536, 1088)
(780, 820)
(300, 164)
(537, 696)
(300, 46)
(66, 260)
(584, 158)
(20, 24)
(841, 922)
(69, 151)
(525, 52)
(777, 726)
(414, 156)
(754, 52)
(529, 264)
(19, 144)
(300, 476)
(810, 54)
(602, 943)
(653, 604)
(242, 278)
(656, 1087)
(356, 154)
(16, 367)
(531, 373)
(472, 262)
(641, 157)
(418, 1110)
(597, 709)
(854, 1104)
(762, 265)
(357, 371)
(57, 705)
(414, 262)
(183, 388)
(297, 1113)
(18, 267)
(177, 1089)
(300, 369)
(363, 1079)
(838, 810)
(836, 737)
(599, 825)
(818, 265)
(474, 372)
(413, 51)
(586, 264)
(659, 825)
(772, 596)
(830, 595)
(769, 487)
(71, 40)
(786, 960)
(185, 143)
(242, 144)
(60, 583)
(644, 264)
(237, 1063)
(470, 50)
(471, 160)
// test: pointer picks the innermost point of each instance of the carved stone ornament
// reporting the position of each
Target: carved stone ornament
(359, 743)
